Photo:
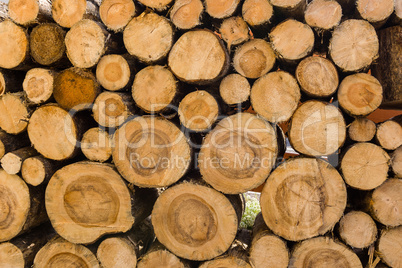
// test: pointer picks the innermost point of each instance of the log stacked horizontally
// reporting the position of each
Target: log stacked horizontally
(130, 130)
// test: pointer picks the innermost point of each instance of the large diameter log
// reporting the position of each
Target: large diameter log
(221, 9)
(151, 152)
(354, 45)
(303, 198)
(96, 144)
(234, 89)
(116, 14)
(199, 57)
(375, 12)
(66, 13)
(234, 31)
(275, 96)
(323, 15)
(38, 170)
(38, 85)
(194, 222)
(9, 143)
(358, 229)
(396, 161)
(14, 45)
(59, 253)
(317, 128)
(362, 130)
(113, 72)
(238, 154)
(14, 113)
(389, 246)
(12, 161)
(186, 14)
(389, 133)
(86, 200)
(365, 166)
(26, 12)
(323, 252)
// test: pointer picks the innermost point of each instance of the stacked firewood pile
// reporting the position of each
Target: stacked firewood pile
(129, 131)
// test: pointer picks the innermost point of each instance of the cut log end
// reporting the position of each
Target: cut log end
(12, 161)
(160, 258)
(38, 85)
(358, 229)
(116, 252)
(96, 145)
(375, 11)
(257, 12)
(13, 45)
(389, 135)
(362, 130)
(66, 13)
(390, 246)
(396, 162)
(323, 14)
(234, 89)
(234, 31)
(113, 72)
(186, 14)
(33, 171)
(226, 261)
(158, 5)
(23, 11)
(116, 14)
(112, 109)
(221, 8)
(11, 256)
(14, 115)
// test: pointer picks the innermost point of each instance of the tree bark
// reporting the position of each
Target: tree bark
(67, 13)
(15, 113)
(38, 85)
(3, 11)
(28, 12)
(186, 14)
(362, 130)
(358, 229)
(38, 170)
(389, 246)
(9, 143)
(12, 161)
(116, 14)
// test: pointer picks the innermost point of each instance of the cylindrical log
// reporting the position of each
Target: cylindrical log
(198, 111)
(59, 253)
(23, 207)
(227, 260)
(360, 94)
(9, 143)
(148, 37)
(396, 161)
(113, 72)
(116, 14)
(11, 162)
(317, 76)
(389, 246)
(158, 5)
(238, 154)
(362, 130)
(275, 96)
(234, 31)
(66, 13)
(151, 152)
(154, 89)
(14, 45)
(11, 81)
(234, 89)
(290, 8)
(38, 85)
(222, 8)
(375, 12)
(317, 128)
(194, 222)
(38, 170)
(365, 166)
(186, 14)
(323, 252)
(389, 133)
(96, 145)
(254, 58)
(14, 113)
(354, 45)
(27, 12)
(199, 57)
(75, 88)
(357, 229)
(258, 14)
(303, 198)
(323, 15)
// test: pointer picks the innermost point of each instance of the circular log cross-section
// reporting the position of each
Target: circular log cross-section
(303, 198)
(357, 229)
(375, 12)
(11, 162)
(365, 166)
(317, 77)
(116, 14)
(396, 162)
(317, 128)
(354, 45)
(199, 56)
(323, 14)
(11, 256)
(148, 37)
(96, 145)
(66, 12)
(221, 9)
(113, 72)
(186, 14)
(257, 12)
(323, 252)
(198, 110)
(238, 154)
(151, 152)
(59, 253)
(38, 169)
(23, 12)
(389, 246)
(194, 222)
(362, 130)
(360, 94)
(14, 113)
(290, 8)
(116, 252)
(158, 256)
(226, 261)
(389, 135)
(38, 85)
(275, 96)
(158, 5)
(86, 200)
(13, 45)
(234, 31)
(254, 58)
(234, 89)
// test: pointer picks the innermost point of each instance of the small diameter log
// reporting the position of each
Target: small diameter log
(389, 134)
(365, 166)
(10, 81)
(234, 89)
(12, 161)
(375, 12)
(387, 70)
(323, 15)
(154, 89)
(292, 40)
(148, 37)
(267, 249)
(27, 12)
(59, 253)
(227, 260)
(275, 96)
(14, 45)
(357, 229)
(75, 88)
(354, 45)
(254, 58)
(38, 85)
(96, 145)
(362, 130)
(303, 198)
(186, 14)
(14, 113)
(195, 222)
(290, 8)
(46, 43)
(111, 109)
(317, 128)
(360, 94)
(151, 152)
(23, 207)
(234, 31)
(220, 9)
(238, 154)
(113, 72)
(9, 143)
(199, 57)
(38, 170)
(396, 161)
(158, 5)
(389, 247)
(66, 13)
(257, 13)
(86, 200)
(317, 76)
(323, 252)
(116, 14)
(198, 111)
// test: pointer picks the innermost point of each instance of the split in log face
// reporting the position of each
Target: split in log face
(234, 31)
(257, 12)
(185, 14)
(358, 229)
(323, 252)
(389, 134)
(194, 222)
(362, 130)
(112, 109)
(96, 145)
(113, 72)
(365, 166)
(66, 12)
(234, 89)
(158, 5)
(317, 128)
(389, 246)
(13, 45)
(86, 200)
(23, 11)
(151, 152)
(303, 198)
(375, 11)
(396, 162)
(38, 85)
(14, 113)
(221, 9)
(238, 154)
(116, 14)
(323, 14)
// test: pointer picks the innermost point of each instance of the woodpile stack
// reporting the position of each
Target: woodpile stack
(130, 130)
